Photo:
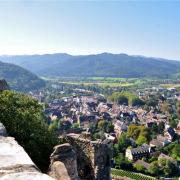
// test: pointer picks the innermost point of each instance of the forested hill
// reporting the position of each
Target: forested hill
(19, 78)
(105, 64)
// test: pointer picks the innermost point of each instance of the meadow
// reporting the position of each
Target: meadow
(98, 81)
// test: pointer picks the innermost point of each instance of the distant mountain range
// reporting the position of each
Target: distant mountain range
(18, 78)
(105, 64)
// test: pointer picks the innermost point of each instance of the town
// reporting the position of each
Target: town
(142, 125)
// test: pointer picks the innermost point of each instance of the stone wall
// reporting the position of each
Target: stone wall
(15, 164)
(93, 157)
(79, 159)
(63, 163)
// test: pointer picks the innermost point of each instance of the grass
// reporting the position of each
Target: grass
(136, 176)
(100, 81)
(101, 84)
(170, 85)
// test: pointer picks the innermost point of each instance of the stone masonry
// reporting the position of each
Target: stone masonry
(63, 163)
(15, 164)
(93, 157)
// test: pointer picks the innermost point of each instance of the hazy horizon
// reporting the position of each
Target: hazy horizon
(135, 55)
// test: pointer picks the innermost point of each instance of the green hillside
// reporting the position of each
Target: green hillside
(100, 65)
(18, 78)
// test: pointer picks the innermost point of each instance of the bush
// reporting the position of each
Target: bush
(23, 119)
(139, 167)
(137, 102)
(154, 168)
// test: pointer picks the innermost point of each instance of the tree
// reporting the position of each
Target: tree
(119, 159)
(139, 167)
(65, 125)
(105, 126)
(154, 168)
(170, 168)
(102, 125)
(137, 102)
(110, 127)
(123, 142)
(135, 131)
(99, 135)
(122, 100)
(119, 98)
(23, 119)
(75, 125)
(176, 152)
(165, 107)
(141, 140)
(174, 121)
(54, 125)
(152, 102)
(154, 130)
(126, 98)
(162, 162)
(161, 128)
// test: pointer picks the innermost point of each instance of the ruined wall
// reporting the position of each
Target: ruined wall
(93, 157)
(63, 163)
(15, 164)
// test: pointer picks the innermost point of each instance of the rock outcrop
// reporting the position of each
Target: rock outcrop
(64, 163)
(15, 164)
(4, 85)
(2, 130)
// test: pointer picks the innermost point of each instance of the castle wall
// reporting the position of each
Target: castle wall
(15, 164)
(93, 157)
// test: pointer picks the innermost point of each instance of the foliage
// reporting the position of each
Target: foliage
(22, 116)
(155, 129)
(123, 142)
(166, 108)
(139, 167)
(141, 140)
(137, 102)
(98, 135)
(54, 125)
(64, 125)
(173, 121)
(105, 126)
(154, 168)
(119, 160)
(176, 152)
(126, 98)
(119, 98)
(152, 102)
(135, 132)
(173, 150)
(167, 167)
(75, 125)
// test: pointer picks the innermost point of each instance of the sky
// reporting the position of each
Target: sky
(149, 28)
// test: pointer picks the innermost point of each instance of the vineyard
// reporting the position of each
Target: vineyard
(136, 176)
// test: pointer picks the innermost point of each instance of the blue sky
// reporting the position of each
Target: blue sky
(150, 28)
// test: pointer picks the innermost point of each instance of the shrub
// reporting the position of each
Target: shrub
(23, 119)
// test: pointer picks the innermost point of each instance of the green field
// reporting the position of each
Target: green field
(113, 81)
(170, 85)
(99, 81)
(136, 176)
(102, 84)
